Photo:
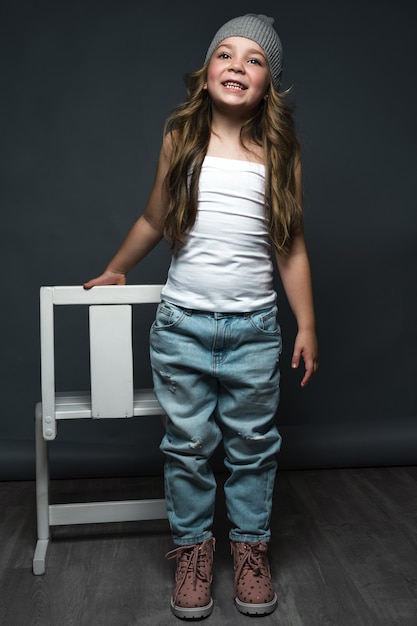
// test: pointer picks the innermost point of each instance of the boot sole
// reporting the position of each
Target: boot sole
(198, 612)
(257, 609)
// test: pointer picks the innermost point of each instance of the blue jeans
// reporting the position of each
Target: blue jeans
(216, 376)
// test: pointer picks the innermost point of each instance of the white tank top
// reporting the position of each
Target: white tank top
(225, 263)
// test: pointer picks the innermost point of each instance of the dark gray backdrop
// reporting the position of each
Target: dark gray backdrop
(85, 89)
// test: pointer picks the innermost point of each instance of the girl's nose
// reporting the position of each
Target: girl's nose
(236, 66)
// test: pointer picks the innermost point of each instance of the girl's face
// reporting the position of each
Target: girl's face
(238, 74)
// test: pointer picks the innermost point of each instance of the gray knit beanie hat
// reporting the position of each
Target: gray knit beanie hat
(258, 28)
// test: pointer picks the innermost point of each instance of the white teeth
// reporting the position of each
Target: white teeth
(235, 85)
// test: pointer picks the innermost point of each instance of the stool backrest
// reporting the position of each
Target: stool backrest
(110, 343)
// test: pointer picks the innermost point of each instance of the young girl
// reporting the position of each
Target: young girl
(228, 183)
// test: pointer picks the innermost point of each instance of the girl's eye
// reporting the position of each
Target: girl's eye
(224, 55)
(255, 62)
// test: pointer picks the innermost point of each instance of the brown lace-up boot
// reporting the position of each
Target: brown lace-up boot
(192, 593)
(253, 590)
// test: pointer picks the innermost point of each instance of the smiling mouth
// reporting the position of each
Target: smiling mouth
(233, 85)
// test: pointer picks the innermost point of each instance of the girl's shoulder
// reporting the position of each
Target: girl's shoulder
(168, 140)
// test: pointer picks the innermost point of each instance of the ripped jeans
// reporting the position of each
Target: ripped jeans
(216, 376)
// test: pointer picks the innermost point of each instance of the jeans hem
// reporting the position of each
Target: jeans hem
(190, 541)
(249, 538)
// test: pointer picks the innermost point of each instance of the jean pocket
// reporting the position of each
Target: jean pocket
(266, 321)
(167, 316)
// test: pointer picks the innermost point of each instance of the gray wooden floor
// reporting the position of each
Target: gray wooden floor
(344, 553)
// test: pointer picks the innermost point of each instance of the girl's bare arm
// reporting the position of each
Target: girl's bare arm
(295, 273)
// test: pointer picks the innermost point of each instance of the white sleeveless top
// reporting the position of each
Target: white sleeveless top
(225, 263)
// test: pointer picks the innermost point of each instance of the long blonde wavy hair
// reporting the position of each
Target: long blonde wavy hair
(272, 127)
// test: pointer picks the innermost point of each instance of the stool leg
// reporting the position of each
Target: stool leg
(42, 496)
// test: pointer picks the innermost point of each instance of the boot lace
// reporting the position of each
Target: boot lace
(191, 560)
(252, 557)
